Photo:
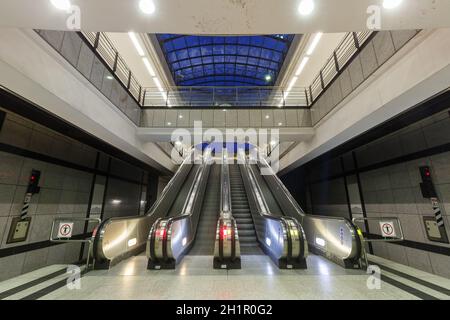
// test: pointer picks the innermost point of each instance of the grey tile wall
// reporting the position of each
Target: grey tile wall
(394, 191)
(64, 191)
(81, 56)
(376, 52)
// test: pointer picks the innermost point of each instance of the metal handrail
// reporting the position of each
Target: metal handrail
(186, 213)
(68, 240)
(172, 181)
(182, 96)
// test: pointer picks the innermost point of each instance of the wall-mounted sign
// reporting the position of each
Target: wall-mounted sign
(65, 229)
(387, 229)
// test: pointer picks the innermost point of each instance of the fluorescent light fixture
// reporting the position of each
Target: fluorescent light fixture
(148, 66)
(115, 201)
(302, 66)
(314, 43)
(320, 242)
(147, 6)
(306, 7)
(268, 241)
(61, 4)
(292, 83)
(132, 242)
(391, 4)
(158, 85)
(136, 43)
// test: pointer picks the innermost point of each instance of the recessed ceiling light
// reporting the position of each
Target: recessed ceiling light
(109, 77)
(302, 66)
(314, 43)
(169, 123)
(267, 116)
(61, 4)
(180, 116)
(280, 123)
(224, 110)
(136, 43)
(306, 7)
(391, 4)
(268, 77)
(147, 6)
(148, 66)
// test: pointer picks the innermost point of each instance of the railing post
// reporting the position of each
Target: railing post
(116, 59)
(97, 40)
(322, 83)
(336, 62)
(311, 95)
(306, 95)
(129, 80)
(143, 97)
(355, 39)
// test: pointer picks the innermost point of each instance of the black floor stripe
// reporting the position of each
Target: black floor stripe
(43, 292)
(30, 284)
(409, 289)
(422, 282)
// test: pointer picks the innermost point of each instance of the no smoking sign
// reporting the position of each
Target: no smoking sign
(387, 229)
(65, 229)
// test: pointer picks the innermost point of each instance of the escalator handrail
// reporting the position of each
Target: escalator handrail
(283, 188)
(295, 203)
(267, 214)
(186, 213)
(171, 182)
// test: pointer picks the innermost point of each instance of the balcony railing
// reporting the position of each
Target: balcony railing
(224, 97)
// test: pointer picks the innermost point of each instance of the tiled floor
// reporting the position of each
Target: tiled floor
(259, 278)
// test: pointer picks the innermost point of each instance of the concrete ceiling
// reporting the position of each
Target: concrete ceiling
(225, 16)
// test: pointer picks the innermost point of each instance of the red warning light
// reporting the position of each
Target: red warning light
(224, 231)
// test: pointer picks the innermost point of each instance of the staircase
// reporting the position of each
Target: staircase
(241, 212)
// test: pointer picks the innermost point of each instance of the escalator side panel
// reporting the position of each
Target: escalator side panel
(181, 195)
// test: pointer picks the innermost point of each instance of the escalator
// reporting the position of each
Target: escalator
(177, 205)
(241, 213)
(206, 230)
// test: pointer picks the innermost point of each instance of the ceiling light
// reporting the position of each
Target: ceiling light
(391, 4)
(268, 77)
(302, 66)
(158, 85)
(61, 4)
(292, 83)
(306, 7)
(109, 77)
(267, 117)
(147, 6)
(280, 123)
(169, 123)
(115, 201)
(180, 116)
(224, 110)
(136, 43)
(148, 66)
(273, 143)
(314, 43)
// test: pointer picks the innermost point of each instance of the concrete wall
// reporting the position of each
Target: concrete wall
(67, 174)
(390, 190)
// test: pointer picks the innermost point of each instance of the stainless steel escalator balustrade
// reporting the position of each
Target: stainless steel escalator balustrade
(335, 238)
(170, 238)
(282, 238)
(116, 239)
(227, 254)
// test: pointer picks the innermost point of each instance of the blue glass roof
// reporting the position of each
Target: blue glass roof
(225, 60)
